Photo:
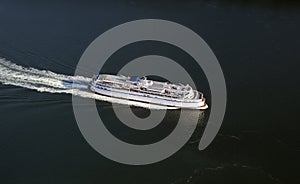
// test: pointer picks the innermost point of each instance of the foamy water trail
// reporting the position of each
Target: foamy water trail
(47, 81)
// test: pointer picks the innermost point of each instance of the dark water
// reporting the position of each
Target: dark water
(257, 45)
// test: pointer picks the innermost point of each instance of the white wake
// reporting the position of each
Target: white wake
(47, 81)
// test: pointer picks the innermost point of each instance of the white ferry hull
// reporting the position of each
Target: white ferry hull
(139, 97)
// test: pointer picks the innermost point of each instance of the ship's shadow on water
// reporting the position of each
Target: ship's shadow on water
(155, 134)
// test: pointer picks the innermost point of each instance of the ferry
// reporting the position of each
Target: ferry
(134, 88)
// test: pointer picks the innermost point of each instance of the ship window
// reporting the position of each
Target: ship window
(134, 79)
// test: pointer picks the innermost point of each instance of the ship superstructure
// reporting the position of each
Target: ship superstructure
(148, 91)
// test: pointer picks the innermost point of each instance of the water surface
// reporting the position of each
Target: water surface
(255, 43)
